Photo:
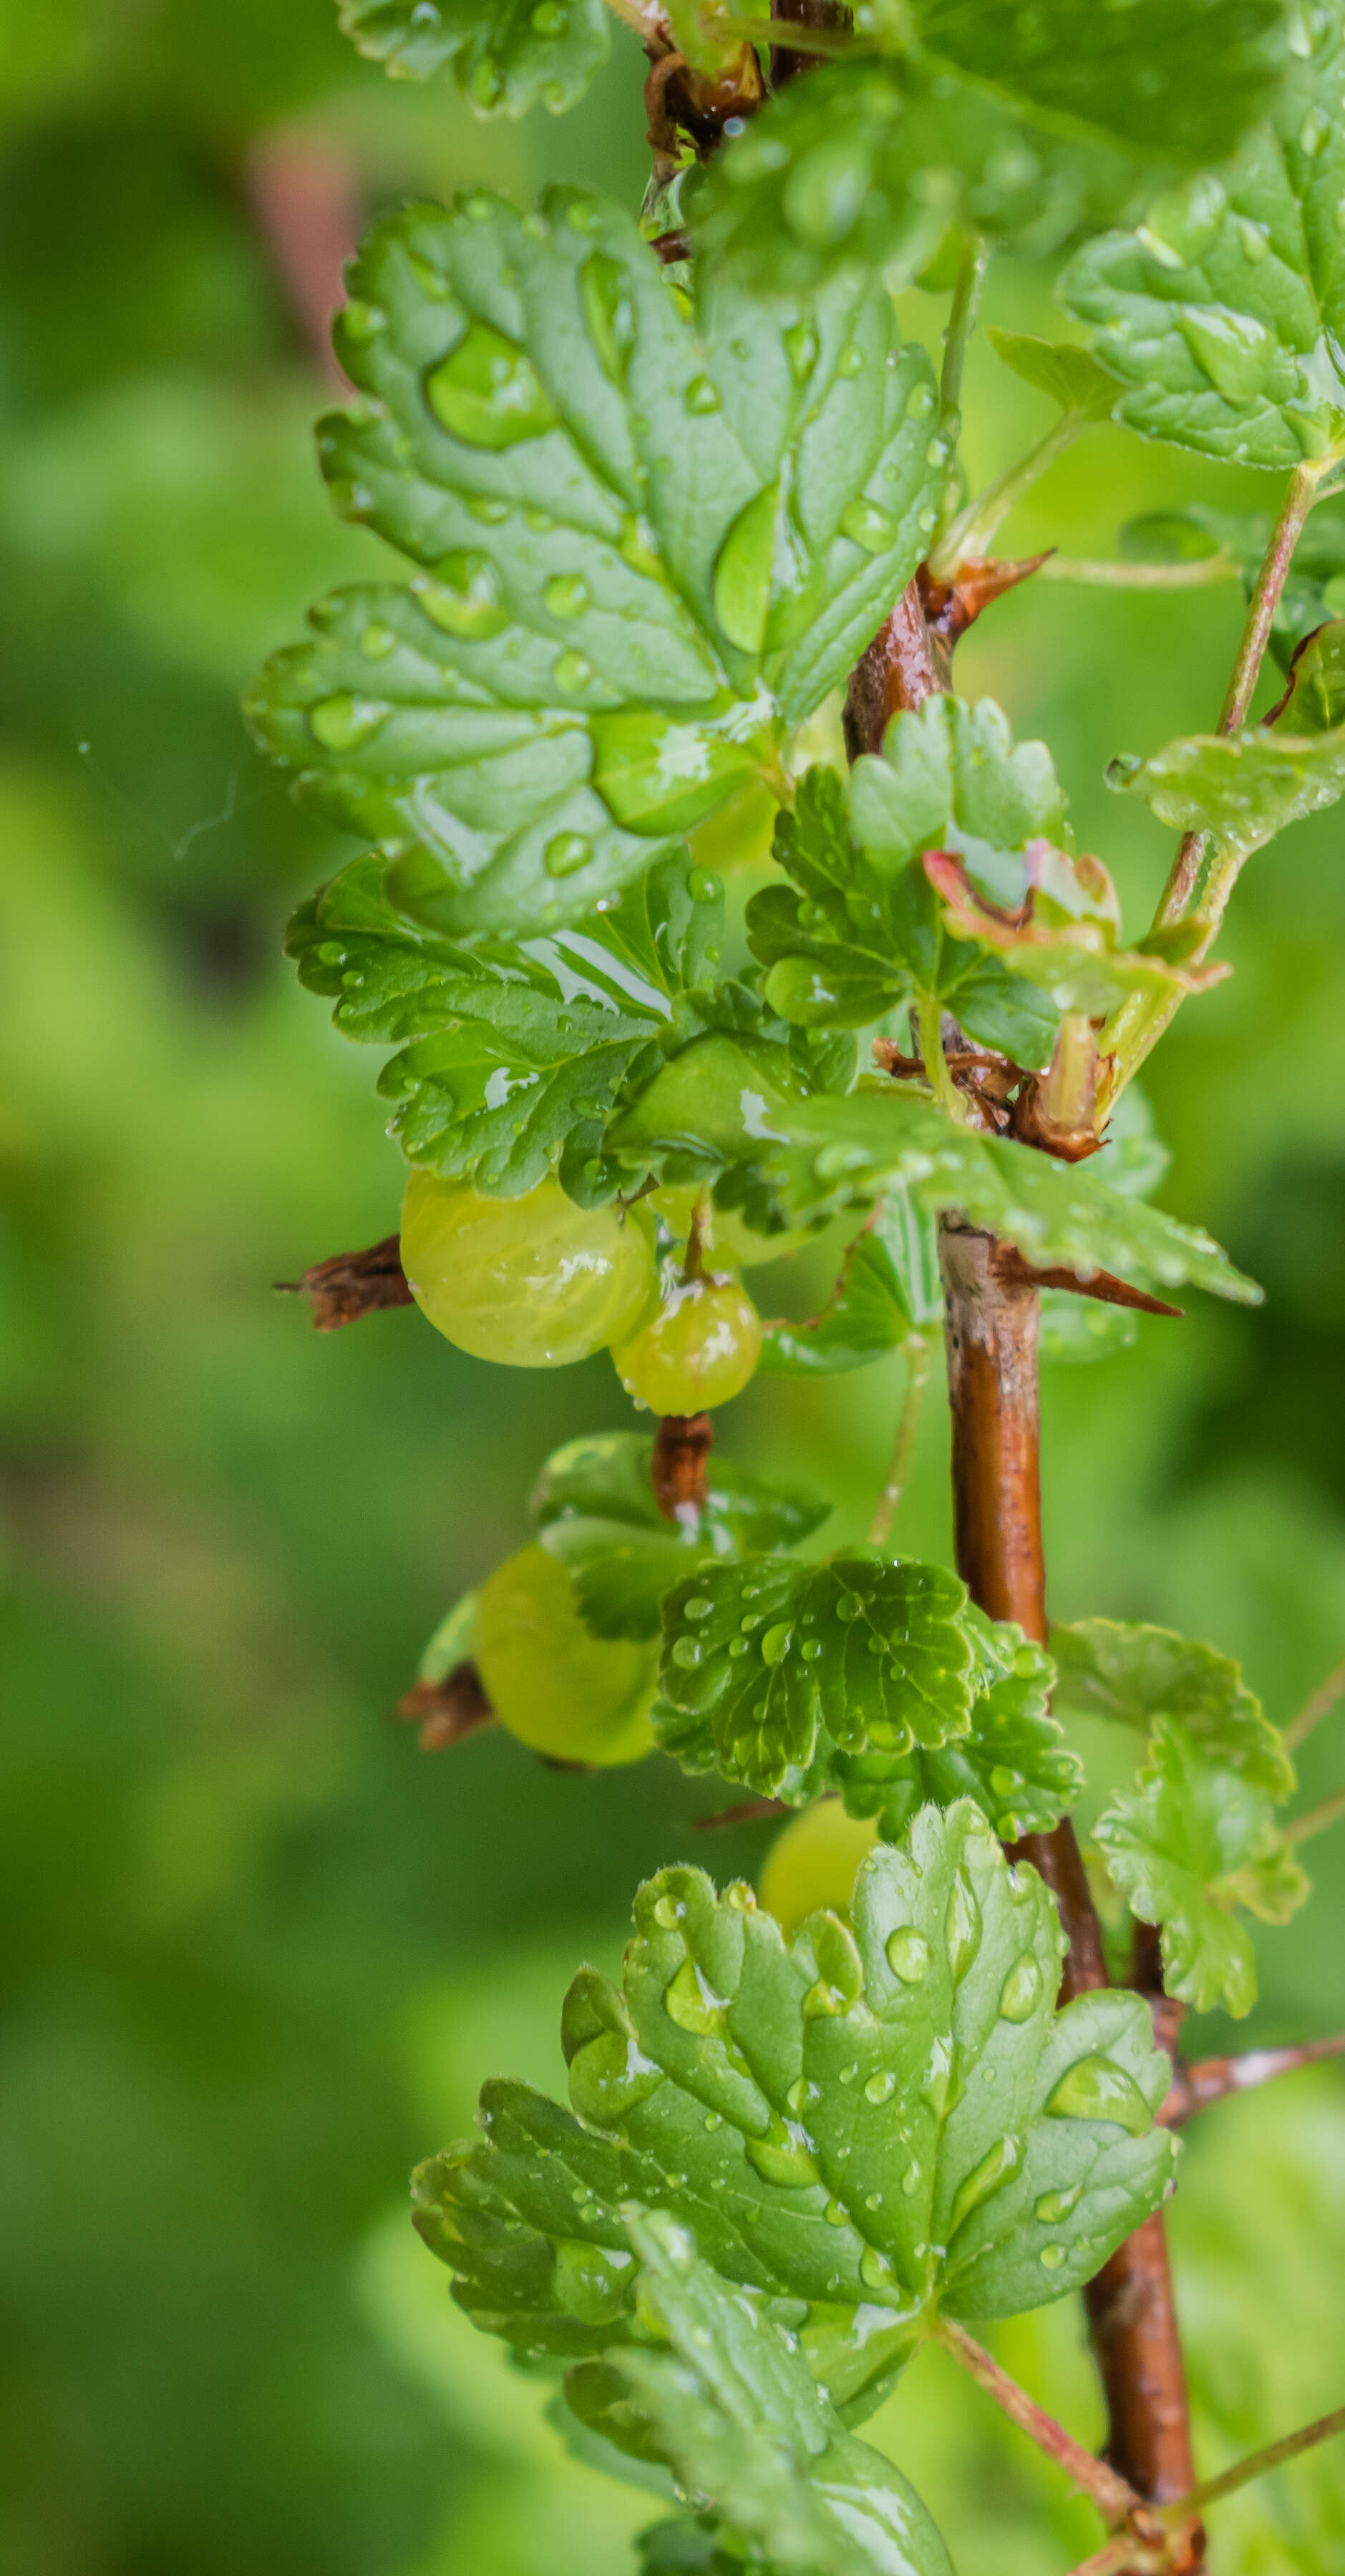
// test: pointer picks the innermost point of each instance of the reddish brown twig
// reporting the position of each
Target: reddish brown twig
(991, 1333)
(679, 1469)
(751, 1812)
(352, 1284)
(447, 1710)
(1114, 2497)
(911, 656)
(1212, 2079)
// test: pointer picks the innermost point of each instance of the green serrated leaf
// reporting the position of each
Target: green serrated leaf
(645, 545)
(1173, 77)
(1070, 375)
(1314, 701)
(1136, 1673)
(734, 2408)
(865, 930)
(763, 1656)
(1184, 1846)
(717, 1107)
(865, 1318)
(1064, 937)
(1222, 316)
(607, 1476)
(620, 1573)
(1243, 787)
(1013, 1760)
(817, 2114)
(504, 54)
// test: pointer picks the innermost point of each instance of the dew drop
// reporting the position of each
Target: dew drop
(962, 1926)
(668, 1911)
(1052, 2256)
(343, 722)
(566, 852)
(567, 594)
(908, 1955)
(1055, 2205)
(487, 392)
(1313, 131)
(810, 1649)
(737, 1647)
(697, 1607)
(704, 886)
(775, 1643)
(920, 402)
(691, 2002)
(377, 642)
(801, 350)
(880, 2088)
(850, 361)
(911, 2181)
(702, 394)
(363, 321)
(713, 2120)
(464, 596)
(686, 1651)
(782, 2156)
(989, 2176)
(571, 671)
(1097, 2089)
(875, 2270)
(1021, 1991)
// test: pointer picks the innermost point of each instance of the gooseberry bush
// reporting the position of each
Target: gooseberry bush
(687, 534)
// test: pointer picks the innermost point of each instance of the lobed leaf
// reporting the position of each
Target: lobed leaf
(864, 930)
(1065, 936)
(761, 1658)
(1243, 787)
(858, 2127)
(645, 544)
(1221, 317)
(1070, 375)
(504, 54)
(1135, 1673)
(1013, 1760)
(735, 2411)
(1194, 1839)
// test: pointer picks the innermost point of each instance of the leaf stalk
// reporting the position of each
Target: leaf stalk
(916, 1352)
(1114, 2497)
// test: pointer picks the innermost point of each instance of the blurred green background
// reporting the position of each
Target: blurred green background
(258, 1950)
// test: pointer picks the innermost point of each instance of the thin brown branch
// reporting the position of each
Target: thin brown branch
(1212, 2079)
(352, 1284)
(1257, 2465)
(1109, 1291)
(1114, 2497)
(751, 1811)
(1127, 2555)
(447, 1710)
(679, 1469)
(1320, 1705)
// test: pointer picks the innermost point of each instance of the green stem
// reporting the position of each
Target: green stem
(916, 1353)
(1328, 1811)
(1142, 1019)
(972, 531)
(1113, 2496)
(1140, 576)
(1257, 2465)
(929, 1015)
(1320, 1705)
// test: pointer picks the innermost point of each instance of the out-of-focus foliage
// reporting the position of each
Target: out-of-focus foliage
(258, 1952)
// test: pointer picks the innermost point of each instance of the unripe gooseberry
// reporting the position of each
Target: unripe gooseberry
(812, 1863)
(699, 1348)
(556, 1687)
(534, 1281)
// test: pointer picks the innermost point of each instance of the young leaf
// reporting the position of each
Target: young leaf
(1070, 375)
(864, 1319)
(1243, 787)
(504, 53)
(864, 931)
(1065, 937)
(1128, 1670)
(647, 546)
(717, 1107)
(735, 2410)
(1013, 1761)
(759, 1658)
(1192, 1840)
(1222, 315)
(818, 2114)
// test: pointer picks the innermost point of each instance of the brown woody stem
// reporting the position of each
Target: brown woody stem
(1112, 2495)
(680, 1467)
(1212, 2079)
(991, 1332)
